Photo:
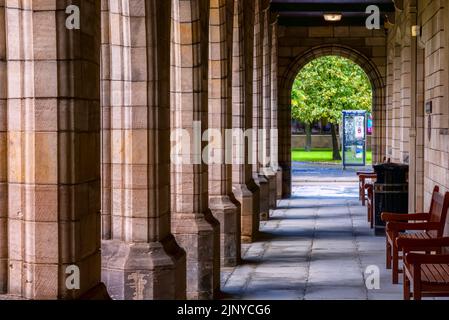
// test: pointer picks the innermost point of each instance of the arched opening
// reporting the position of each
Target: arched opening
(321, 92)
(285, 115)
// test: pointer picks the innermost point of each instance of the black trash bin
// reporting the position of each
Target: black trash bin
(390, 192)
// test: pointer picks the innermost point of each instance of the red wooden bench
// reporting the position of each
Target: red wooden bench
(427, 274)
(364, 176)
(431, 225)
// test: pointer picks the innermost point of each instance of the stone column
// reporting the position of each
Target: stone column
(195, 228)
(258, 144)
(106, 84)
(285, 141)
(244, 188)
(416, 178)
(419, 127)
(3, 157)
(389, 100)
(266, 156)
(141, 259)
(222, 203)
(274, 107)
(53, 151)
(405, 95)
(396, 105)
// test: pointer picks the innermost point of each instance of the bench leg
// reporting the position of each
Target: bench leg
(406, 287)
(362, 192)
(360, 189)
(417, 295)
(388, 258)
(395, 265)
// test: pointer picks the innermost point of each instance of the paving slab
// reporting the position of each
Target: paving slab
(316, 246)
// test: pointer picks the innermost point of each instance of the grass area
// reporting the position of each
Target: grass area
(320, 155)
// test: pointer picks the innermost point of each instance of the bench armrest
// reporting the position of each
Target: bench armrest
(421, 244)
(387, 216)
(368, 176)
(419, 259)
(365, 172)
(400, 226)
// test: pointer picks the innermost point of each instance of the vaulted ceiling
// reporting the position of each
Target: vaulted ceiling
(311, 12)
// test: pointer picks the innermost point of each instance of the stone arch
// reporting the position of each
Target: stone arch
(336, 50)
(285, 86)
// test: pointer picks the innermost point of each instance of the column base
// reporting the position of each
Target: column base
(199, 235)
(248, 195)
(3, 274)
(144, 271)
(228, 215)
(264, 189)
(279, 183)
(271, 176)
(98, 293)
(286, 181)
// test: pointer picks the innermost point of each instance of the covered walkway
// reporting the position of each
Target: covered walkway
(317, 245)
(115, 166)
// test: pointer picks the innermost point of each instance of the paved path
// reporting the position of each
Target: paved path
(310, 172)
(317, 245)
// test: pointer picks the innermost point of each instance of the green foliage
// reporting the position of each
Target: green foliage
(327, 86)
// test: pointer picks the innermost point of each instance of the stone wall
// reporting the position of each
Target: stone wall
(418, 75)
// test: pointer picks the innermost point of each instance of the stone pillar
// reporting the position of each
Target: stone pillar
(106, 85)
(222, 203)
(285, 141)
(396, 105)
(405, 91)
(389, 100)
(258, 144)
(244, 188)
(3, 157)
(378, 143)
(141, 259)
(416, 178)
(274, 107)
(195, 228)
(53, 151)
(266, 93)
(419, 128)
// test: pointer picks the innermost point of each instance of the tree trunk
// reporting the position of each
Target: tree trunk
(308, 147)
(336, 150)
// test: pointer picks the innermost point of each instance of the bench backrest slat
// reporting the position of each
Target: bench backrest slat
(438, 211)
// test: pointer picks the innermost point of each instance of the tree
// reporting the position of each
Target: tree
(324, 88)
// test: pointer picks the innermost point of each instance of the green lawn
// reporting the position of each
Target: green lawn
(319, 155)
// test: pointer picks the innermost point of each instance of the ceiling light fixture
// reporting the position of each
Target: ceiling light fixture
(332, 17)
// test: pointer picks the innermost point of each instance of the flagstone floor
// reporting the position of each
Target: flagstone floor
(317, 245)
